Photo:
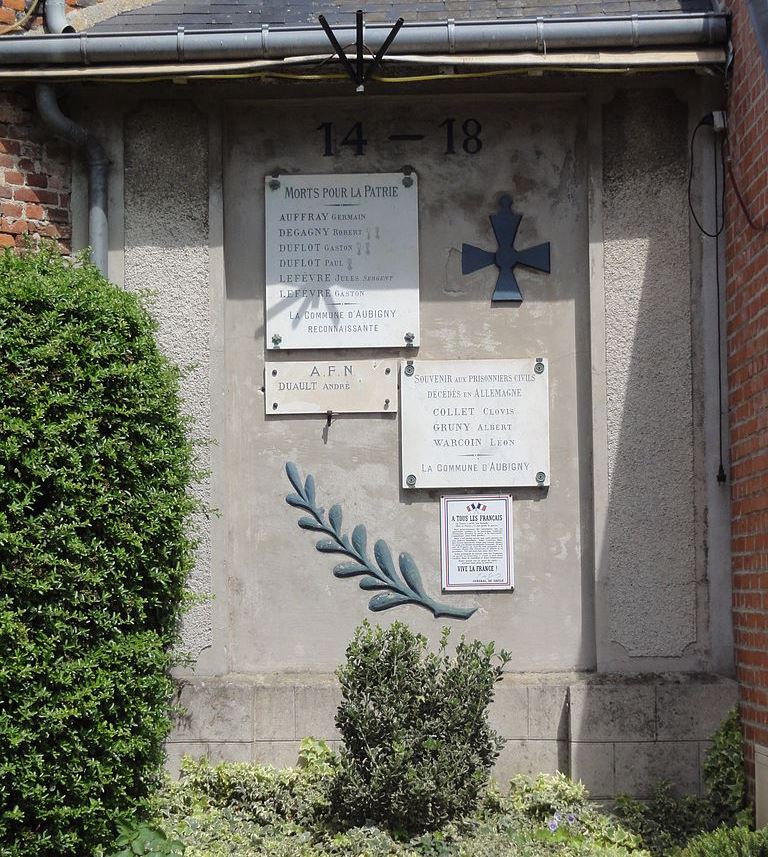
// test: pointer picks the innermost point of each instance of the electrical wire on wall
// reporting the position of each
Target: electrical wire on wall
(17, 25)
(718, 165)
(739, 196)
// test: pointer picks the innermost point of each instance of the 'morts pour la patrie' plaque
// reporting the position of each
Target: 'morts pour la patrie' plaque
(474, 423)
(342, 261)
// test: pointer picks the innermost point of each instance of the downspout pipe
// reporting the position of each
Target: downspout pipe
(66, 129)
(269, 42)
(97, 163)
(56, 17)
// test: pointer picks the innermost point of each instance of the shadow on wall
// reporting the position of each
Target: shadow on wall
(647, 595)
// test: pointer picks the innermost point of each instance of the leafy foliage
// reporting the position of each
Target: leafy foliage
(562, 813)
(668, 822)
(724, 772)
(94, 553)
(141, 838)
(728, 842)
(395, 589)
(248, 810)
(418, 748)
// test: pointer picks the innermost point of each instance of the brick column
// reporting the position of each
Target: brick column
(747, 330)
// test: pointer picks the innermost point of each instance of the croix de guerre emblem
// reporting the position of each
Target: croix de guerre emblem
(505, 224)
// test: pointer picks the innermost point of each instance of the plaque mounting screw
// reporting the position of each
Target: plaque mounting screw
(274, 406)
(407, 181)
(541, 477)
(539, 367)
(276, 339)
(409, 337)
(409, 369)
(274, 184)
(274, 373)
(410, 480)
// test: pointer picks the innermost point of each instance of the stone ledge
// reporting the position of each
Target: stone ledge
(614, 733)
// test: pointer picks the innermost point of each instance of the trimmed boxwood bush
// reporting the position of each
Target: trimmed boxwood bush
(94, 553)
(418, 747)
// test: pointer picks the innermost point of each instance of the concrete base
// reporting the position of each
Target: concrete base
(617, 734)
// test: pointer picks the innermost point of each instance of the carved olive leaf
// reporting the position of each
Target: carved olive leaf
(410, 572)
(310, 524)
(309, 489)
(384, 559)
(328, 546)
(360, 539)
(293, 475)
(349, 569)
(372, 583)
(334, 516)
(295, 500)
(387, 600)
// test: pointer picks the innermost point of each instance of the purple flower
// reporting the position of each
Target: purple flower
(552, 825)
(570, 818)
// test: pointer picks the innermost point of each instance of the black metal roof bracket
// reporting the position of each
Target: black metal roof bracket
(358, 74)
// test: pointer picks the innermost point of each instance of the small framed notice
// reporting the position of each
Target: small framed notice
(476, 547)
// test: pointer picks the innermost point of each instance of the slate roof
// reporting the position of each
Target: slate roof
(167, 15)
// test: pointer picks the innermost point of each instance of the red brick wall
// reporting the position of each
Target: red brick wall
(747, 326)
(34, 175)
(13, 12)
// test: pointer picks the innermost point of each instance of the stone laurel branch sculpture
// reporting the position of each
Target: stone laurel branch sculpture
(406, 588)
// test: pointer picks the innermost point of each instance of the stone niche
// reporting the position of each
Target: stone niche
(611, 623)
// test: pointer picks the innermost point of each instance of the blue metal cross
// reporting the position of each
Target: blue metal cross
(505, 224)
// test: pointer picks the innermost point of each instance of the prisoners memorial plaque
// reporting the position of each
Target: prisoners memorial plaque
(474, 423)
(342, 261)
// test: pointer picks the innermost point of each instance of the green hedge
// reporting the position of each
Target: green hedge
(94, 553)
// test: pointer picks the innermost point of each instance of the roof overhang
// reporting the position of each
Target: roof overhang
(609, 43)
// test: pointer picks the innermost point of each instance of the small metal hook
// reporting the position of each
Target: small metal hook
(327, 426)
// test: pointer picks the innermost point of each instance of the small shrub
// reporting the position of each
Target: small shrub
(724, 772)
(259, 793)
(563, 813)
(728, 842)
(668, 822)
(418, 748)
(94, 553)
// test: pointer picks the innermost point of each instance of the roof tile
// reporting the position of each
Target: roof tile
(210, 14)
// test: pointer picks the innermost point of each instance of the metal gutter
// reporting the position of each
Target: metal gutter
(539, 36)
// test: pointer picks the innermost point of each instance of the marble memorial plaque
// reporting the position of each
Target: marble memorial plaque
(476, 547)
(342, 261)
(319, 386)
(474, 423)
